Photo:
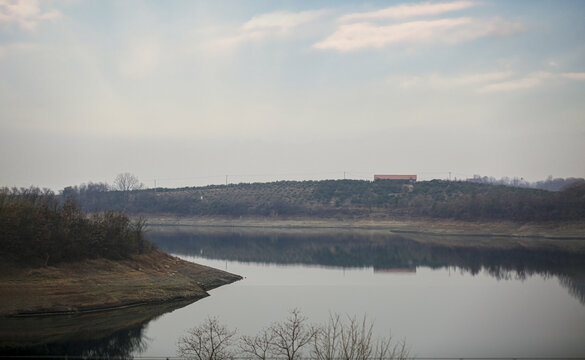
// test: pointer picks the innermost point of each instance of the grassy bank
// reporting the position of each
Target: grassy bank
(102, 284)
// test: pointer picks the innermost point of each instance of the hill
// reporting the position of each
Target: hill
(350, 199)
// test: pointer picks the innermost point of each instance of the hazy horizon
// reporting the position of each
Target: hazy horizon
(186, 93)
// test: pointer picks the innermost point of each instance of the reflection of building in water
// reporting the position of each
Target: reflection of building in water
(411, 270)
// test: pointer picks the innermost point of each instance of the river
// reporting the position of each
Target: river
(444, 298)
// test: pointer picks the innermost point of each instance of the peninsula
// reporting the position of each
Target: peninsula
(56, 259)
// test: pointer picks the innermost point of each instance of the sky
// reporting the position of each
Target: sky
(186, 93)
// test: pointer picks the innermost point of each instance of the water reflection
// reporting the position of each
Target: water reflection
(390, 299)
(503, 259)
(116, 334)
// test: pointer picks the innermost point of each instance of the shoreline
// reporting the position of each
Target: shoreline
(430, 227)
(101, 285)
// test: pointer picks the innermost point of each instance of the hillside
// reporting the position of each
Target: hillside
(348, 199)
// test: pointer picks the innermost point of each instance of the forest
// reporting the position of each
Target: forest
(39, 228)
(458, 200)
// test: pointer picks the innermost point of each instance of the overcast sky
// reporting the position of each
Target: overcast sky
(186, 92)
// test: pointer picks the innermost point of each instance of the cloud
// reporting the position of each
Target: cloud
(574, 76)
(408, 11)
(25, 13)
(281, 20)
(442, 82)
(269, 25)
(527, 82)
(487, 82)
(352, 37)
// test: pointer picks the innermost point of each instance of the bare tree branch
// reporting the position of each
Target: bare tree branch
(291, 335)
(260, 346)
(127, 182)
(208, 341)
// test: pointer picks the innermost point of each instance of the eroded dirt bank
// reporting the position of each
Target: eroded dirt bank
(101, 284)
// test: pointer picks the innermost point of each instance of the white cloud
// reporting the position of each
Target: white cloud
(574, 76)
(25, 13)
(409, 10)
(269, 25)
(527, 82)
(488, 82)
(443, 82)
(281, 20)
(352, 37)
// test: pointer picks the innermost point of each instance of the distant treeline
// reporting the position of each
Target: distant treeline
(39, 228)
(460, 200)
(550, 184)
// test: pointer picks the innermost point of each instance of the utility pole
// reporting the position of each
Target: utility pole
(449, 175)
(226, 180)
(344, 175)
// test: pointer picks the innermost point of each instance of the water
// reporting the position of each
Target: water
(443, 300)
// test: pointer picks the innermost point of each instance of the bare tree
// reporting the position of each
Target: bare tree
(127, 182)
(356, 339)
(260, 346)
(327, 339)
(335, 340)
(291, 335)
(352, 340)
(208, 341)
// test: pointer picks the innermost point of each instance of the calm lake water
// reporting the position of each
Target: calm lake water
(443, 300)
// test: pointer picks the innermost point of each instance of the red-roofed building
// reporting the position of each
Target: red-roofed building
(411, 178)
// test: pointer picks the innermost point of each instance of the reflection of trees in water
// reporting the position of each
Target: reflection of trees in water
(575, 285)
(116, 334)
(119, 345)
(381, 251)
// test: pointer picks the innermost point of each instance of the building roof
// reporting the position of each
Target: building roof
(395, 177)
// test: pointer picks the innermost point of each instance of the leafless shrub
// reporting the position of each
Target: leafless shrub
(352, 340)
(260, 346)
(291, 335)
(328, 338)
(208, 341)
(339, 339)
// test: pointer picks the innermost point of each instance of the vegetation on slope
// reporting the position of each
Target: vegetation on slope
(38, 228)
(347, 198)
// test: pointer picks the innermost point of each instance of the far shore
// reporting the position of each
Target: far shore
(431, 227)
